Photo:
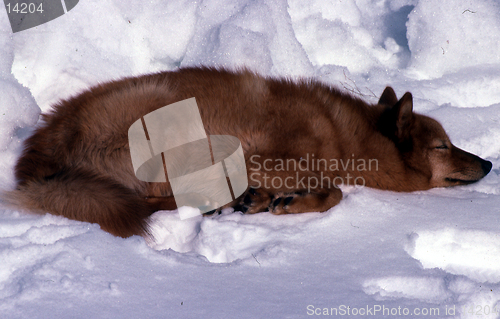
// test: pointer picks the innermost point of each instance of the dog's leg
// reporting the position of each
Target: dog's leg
(318, 200)
(298, 193)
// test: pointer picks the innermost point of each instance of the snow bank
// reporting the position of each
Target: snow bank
(424, 288)
(18, 109)
(349, 33)
(453, 35)
(473, 253)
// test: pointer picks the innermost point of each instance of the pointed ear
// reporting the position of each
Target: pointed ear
(404, 116)
(388, 97)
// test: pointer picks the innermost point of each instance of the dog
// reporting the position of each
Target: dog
(301, 140)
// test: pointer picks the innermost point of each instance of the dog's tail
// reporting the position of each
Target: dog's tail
(84, 196)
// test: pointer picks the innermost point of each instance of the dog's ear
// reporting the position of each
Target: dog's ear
(396, 120)
(403, 110)
(388, 97)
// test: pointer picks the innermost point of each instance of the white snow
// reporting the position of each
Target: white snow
(433, 250)
(464, 34)
(472, 253)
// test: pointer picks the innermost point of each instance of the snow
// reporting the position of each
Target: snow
(456, 41)
(472, 253)
(376, 250)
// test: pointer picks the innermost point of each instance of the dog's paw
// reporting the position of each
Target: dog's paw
(254, 201)
(283, 203)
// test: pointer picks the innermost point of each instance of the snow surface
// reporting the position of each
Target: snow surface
(376, 251)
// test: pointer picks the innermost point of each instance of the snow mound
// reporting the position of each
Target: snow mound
(472, 253)
(426, 289)
(225, 238)
(444, 38)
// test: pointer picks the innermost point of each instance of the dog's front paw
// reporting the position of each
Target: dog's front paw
(254, 201)
(282, 203)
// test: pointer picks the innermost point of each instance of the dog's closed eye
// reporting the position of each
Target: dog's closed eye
(441, 147)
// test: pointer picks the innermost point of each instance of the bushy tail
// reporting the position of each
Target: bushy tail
(84, 196)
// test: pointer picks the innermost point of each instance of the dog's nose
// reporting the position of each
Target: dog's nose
(486, 166)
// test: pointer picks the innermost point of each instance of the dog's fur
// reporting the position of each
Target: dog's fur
(77, 163)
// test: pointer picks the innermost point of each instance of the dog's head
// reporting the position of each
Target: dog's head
(424, 145)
